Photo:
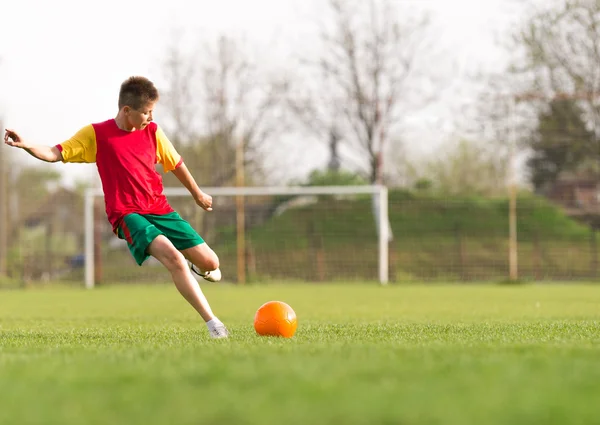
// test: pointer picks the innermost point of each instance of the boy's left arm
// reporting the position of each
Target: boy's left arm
(204, 200)
(171, 161)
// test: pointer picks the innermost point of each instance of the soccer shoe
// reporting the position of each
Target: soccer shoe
(212, 276)
(218, 331)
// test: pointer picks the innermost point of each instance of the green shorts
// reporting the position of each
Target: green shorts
(139, 230)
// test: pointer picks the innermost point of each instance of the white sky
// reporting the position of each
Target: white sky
(62, 61)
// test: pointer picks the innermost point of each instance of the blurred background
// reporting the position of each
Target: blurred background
(481, 119)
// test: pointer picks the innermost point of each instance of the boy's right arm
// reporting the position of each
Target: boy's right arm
(43, 153)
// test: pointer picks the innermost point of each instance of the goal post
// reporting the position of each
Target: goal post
(378, 192)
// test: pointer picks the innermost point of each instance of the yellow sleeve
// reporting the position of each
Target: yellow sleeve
(165, 152)
(81, 147)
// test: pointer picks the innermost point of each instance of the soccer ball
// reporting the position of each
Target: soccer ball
(275, 318)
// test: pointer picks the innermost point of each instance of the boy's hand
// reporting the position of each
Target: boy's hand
(11, 138)
(204, 201)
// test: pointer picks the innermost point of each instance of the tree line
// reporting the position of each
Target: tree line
(373, 66)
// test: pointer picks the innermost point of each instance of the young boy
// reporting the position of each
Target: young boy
(125, 150)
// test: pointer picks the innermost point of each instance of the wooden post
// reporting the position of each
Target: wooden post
(512, 243)
(250, 259)
(537, 255)
(240, 212)
(98, 274)
(593, 253)
(48, 247)
(4, 219)
(316, 252)
(512, 204)
(461, 252)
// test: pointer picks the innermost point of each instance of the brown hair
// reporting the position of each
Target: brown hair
(136, 92)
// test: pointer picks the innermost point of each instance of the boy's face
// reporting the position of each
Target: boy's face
(141, 117)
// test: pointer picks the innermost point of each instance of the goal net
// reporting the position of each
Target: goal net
(261, 234)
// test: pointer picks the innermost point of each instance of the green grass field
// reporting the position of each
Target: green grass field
(363, 354)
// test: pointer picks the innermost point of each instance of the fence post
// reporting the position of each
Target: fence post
(593, 253)
(4, 220)
(4, 217)
(460, 250)
(317, 252)
(537, 255)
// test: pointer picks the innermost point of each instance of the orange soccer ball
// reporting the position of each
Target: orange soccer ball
(275, 318)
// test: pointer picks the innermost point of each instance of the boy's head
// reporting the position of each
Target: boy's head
(136, 100)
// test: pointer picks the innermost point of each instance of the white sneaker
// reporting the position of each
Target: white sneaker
(218, 331)
(211, 276)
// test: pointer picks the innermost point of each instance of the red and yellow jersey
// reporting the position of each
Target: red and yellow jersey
(126, 163)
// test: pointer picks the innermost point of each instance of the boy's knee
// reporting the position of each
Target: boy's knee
(212, 263)
(174, 260)
(209, 262)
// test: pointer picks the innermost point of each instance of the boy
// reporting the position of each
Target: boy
(125, 150)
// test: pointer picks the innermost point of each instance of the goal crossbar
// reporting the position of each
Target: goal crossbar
(381, 192)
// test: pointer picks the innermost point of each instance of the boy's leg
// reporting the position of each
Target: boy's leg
(145, 239)
(183, 236)
(164, 251)
(205, 261)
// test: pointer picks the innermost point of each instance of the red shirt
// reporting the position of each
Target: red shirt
(126, 164)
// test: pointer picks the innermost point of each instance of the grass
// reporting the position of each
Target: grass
(363, 354)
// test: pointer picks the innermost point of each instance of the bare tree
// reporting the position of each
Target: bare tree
(240, 101)
(368, 76)
(561, 46)
(179, 98)
(219, 97)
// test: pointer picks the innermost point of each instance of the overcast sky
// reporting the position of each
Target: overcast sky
(62, 61)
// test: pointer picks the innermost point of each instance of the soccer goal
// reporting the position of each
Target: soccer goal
(262, 234)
